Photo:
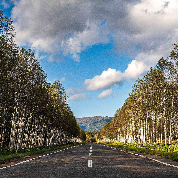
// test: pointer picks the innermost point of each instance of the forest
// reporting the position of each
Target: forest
(33, 112)
(149, 114)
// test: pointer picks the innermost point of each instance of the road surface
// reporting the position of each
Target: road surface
(90, 160)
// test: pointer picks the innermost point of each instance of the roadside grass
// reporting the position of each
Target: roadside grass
(163, 150)
(8, 155)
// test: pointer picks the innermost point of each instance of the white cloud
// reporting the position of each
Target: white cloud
(72, 91)
(105, 80)
(90, 36)
(135, 68)
(112, 77)
(71, 26)
(105, 93)
(62, 79)
(57, 26)
(154, 17)
(78, 97)
(5, 4)
(151, 26)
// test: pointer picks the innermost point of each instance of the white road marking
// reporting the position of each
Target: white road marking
(89, 163)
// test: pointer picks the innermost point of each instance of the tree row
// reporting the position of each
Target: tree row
(33, 112)
(149, 114)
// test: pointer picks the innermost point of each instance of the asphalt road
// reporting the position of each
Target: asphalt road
(89, 161)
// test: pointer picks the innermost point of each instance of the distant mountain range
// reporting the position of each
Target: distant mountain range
(93, 124)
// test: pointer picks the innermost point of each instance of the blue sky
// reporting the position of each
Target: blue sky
(97, 49)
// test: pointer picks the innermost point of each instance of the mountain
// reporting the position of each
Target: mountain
(93, 124)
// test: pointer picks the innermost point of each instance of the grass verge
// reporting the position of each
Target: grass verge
(7, 155)
(163, 150)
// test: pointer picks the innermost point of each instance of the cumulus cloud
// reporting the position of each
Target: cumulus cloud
(105, 80)
(142, 29)
(113, 77)
(135, 68)
(105, 93)
(78, 97)
(66, 25)
(90, 36)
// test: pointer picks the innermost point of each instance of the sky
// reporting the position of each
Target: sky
(96, 48)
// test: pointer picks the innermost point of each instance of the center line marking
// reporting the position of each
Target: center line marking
(90, 154)
(89, 163)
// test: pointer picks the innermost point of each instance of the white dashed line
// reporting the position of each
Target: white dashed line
(89, 163)
(167, 164)
(37, 157)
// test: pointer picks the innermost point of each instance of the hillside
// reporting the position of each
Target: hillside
(93, 124)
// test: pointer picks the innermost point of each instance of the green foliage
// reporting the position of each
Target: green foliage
(149, 114)
(7, 155)
(91, 136)
(169, 151)
(83, 135)
(33, 112)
